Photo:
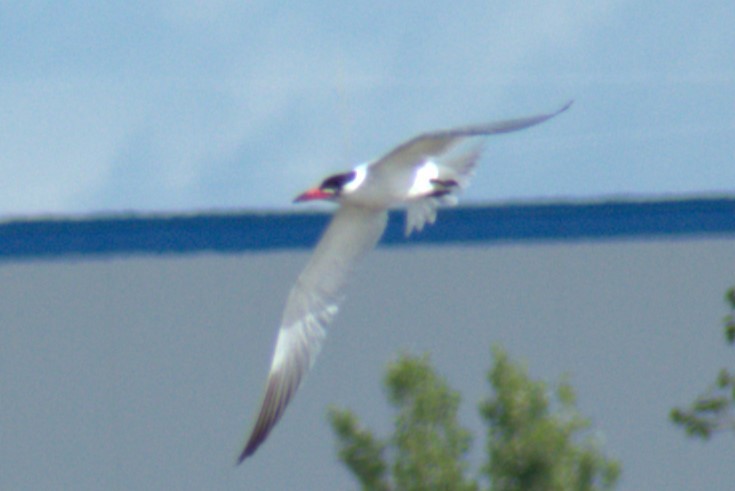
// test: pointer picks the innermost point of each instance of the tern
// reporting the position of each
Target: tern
(420, 175)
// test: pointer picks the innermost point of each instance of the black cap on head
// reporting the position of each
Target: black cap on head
(337, 181)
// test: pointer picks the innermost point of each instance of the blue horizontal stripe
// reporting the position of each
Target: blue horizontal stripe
(240, 232)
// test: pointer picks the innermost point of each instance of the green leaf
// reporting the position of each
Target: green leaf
(359, 450)
(535, 441)
(713, 410)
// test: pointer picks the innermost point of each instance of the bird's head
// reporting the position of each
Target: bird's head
(333, 186)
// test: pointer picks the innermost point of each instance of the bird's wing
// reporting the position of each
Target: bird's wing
(454, 151)
(457, 166)
(415, 151)
(311, 306)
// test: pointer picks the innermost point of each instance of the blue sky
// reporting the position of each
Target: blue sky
(184, 106)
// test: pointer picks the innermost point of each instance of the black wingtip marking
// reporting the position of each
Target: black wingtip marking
(277, 397)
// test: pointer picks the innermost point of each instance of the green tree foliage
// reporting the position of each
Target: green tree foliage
(714, 410)
(428, 446)
(530, 445)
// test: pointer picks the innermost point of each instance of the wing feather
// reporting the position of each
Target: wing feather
(455, 152)
(418, 149)
(311, 306)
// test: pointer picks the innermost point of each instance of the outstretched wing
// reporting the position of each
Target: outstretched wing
(415, 151)
(454, 152)
(311, 307)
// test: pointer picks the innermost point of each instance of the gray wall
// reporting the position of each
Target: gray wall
(147, 372)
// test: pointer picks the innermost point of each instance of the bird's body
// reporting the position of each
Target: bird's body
(421, 174)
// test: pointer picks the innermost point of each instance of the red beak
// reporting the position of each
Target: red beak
(313, 194)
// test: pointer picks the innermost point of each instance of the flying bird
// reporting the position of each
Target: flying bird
(420, 174)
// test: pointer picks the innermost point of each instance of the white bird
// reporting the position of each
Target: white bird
(421, 174)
